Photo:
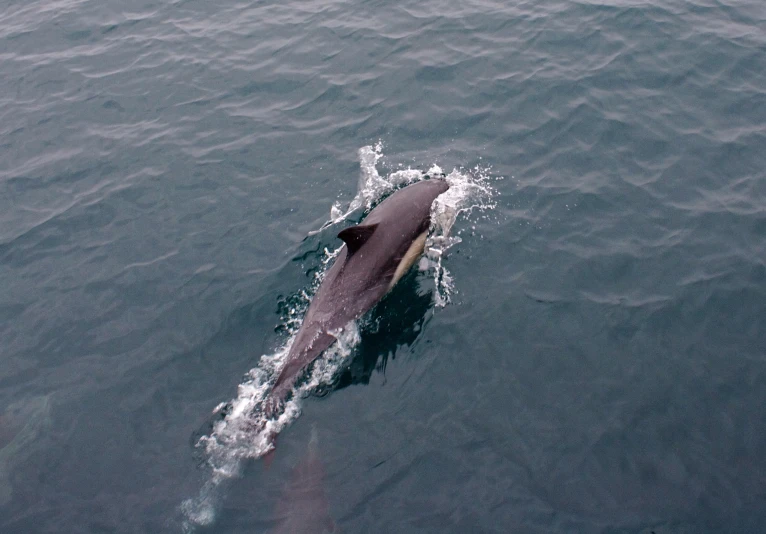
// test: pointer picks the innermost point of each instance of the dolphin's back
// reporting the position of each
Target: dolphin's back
(377, 251)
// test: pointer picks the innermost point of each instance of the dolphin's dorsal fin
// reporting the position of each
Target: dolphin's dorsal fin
(356, 236)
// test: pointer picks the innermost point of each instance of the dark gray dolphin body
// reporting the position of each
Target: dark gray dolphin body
(377, 253)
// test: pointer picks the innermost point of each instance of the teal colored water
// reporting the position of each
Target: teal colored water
(601, 363)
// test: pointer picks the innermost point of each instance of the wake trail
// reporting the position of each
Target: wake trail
(241, 431)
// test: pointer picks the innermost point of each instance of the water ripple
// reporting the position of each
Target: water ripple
(602, 367)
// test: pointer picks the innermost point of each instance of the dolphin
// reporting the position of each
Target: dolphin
(376, 254)
(303, 507)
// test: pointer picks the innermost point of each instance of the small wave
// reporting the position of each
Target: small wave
(241, 431)
(22, 424)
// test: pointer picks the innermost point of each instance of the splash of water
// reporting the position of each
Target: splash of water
(241, 431)
(470, 192)
(371, 186)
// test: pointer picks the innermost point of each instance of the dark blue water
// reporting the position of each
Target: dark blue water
(600, 365)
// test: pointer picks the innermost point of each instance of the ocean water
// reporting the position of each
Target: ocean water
(582, 349)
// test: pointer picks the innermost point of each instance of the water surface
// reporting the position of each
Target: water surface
(600, 367)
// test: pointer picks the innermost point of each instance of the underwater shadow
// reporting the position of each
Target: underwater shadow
(395, 322)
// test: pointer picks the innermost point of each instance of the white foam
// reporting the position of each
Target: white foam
(371, 185)
(242, 432)
(470, 192)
